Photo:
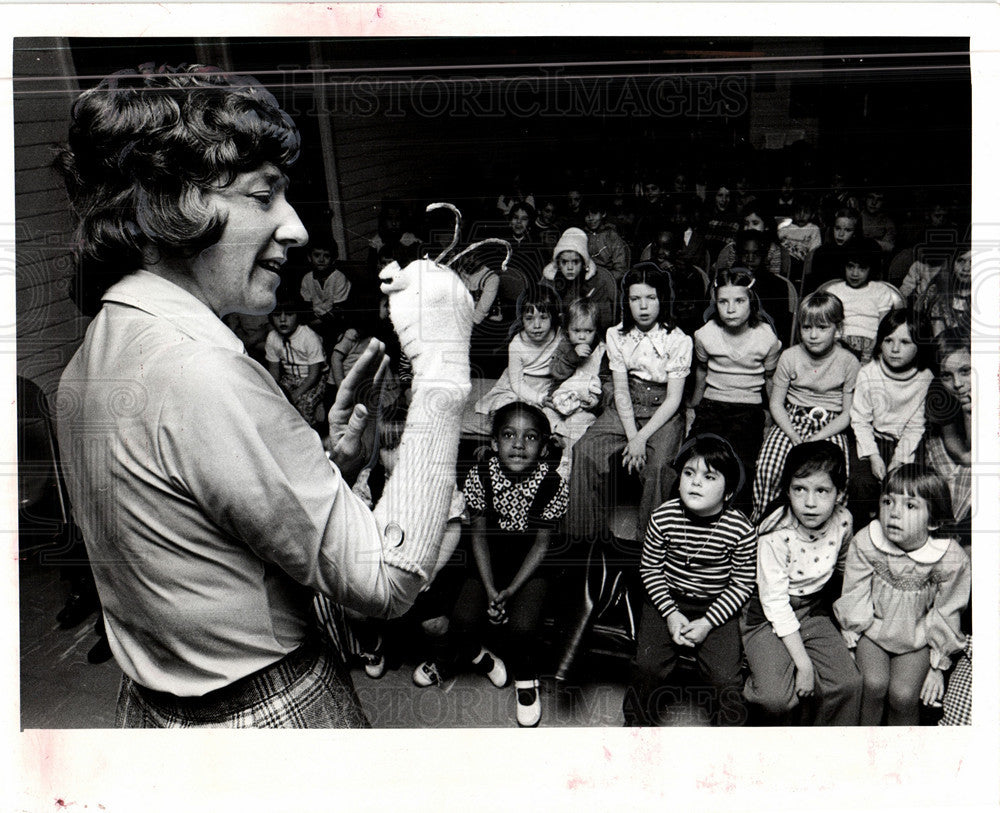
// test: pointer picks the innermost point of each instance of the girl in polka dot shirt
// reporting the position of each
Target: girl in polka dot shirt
(795, 652)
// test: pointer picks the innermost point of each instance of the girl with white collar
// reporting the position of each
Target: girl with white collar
(904, 589)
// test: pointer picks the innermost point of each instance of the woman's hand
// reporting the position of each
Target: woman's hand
(347, 417)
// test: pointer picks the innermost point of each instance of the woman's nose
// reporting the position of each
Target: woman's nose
(290, 231)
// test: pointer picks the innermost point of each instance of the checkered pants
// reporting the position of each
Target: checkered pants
(777, 445)
(958, 698)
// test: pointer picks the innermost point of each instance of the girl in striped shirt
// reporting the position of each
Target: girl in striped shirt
(698, 567)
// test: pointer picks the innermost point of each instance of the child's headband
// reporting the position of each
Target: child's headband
(753, 280)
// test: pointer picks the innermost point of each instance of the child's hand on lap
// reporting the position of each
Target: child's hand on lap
(634, 456)
(933, 689)
(696, 631)
(676, 622)
(805, 681)
(878, 466)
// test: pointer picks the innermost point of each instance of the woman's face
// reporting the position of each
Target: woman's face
(240, 273)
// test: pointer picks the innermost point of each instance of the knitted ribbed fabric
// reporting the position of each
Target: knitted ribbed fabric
(431, 311)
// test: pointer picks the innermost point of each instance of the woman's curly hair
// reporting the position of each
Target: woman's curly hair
(144, 147)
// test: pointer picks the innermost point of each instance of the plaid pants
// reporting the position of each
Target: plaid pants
(308, 688)
(777, 445)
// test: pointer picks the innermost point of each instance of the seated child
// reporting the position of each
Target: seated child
(325, 288)
(528, 377)
(294, 355)
(826, 263)
(698, 563)
(577, 384)
(948, 441)
(351, 344)
(904, 590)
(574, 275)
(866, 298)
(737, 353)
(887, 413)
(649, 358)
(801, 236)
(515, 498)
(811, 393)
(951, 307)
(604, 244)
(793, 649)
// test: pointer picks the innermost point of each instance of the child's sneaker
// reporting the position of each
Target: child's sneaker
(427, 674)
(529, 703)
(486, 663)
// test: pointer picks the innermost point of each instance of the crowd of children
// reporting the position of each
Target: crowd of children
(795, 429)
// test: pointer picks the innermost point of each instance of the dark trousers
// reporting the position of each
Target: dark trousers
(743, 426)
(718, 659)
(864, 488)
(517, 638)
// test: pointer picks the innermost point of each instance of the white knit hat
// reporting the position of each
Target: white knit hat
(573, 239)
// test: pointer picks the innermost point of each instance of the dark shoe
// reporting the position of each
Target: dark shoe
(78, 606)
(100, 652)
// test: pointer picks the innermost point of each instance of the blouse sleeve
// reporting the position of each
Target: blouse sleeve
(944, 635)
(772, 583)
(272, 347)
(312, 347)
(616, 361)
(475, 496)
(855, 610)
(654, 551)
(679, 361)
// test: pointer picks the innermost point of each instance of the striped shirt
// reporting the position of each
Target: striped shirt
(702, 562)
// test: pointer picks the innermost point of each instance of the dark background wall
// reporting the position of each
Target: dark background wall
(455, 118)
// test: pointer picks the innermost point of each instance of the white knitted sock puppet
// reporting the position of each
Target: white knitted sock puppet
(431, 310)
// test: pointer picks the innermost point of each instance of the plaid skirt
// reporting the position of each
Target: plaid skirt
(771, 460)
(308, 688)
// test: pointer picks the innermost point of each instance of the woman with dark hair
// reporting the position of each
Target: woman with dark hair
(210, 509)
(649, 357)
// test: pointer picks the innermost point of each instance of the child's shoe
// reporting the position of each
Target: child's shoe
(374, 660)
(427, 674)
(529, 703)
(486, 663)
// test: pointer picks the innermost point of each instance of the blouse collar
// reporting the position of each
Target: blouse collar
(657, 337)
(927, 554)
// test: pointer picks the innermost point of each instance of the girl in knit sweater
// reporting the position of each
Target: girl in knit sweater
(887, 413)
(904, 589)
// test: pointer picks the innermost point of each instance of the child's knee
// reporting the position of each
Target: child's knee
(903, 696)
(875, 685)
(435, 627)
